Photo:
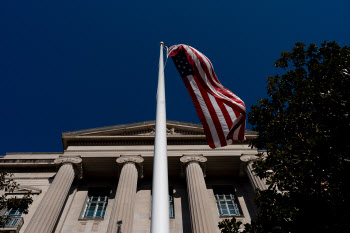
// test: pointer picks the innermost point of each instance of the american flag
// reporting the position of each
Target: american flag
(221, 112)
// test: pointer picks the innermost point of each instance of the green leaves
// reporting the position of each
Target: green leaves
(7, 185)
(229, 226)
(303, 126)
(232, 226)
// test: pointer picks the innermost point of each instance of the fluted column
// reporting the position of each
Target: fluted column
(46, 215)
(201, 218)
(247, 167)
(122, 215)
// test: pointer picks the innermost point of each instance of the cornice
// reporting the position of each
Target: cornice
(150, 150)
(33, 153)
(145, 141)
(22, 165)
(32, 178)
(14, 168)
(23, 189)
(26, 161)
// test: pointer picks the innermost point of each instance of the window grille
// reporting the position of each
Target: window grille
(171, 204)
(15, 218)
(226, 202)
(95, 205)
(14, 212)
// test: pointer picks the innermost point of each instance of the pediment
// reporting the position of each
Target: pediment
(147, 128)
(142, 133)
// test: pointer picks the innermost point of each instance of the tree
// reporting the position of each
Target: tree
(232, 226)
(304, 125)
(8, 186)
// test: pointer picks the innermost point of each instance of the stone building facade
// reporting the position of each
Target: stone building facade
(102, 181)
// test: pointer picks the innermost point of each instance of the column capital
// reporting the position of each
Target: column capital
(245, 160)
(246, 168)
(187, 158)
(137, 160)
(76, 162)
(193, 158)
(248, 157)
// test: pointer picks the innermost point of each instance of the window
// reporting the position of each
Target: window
(171, 206)
(14, 212)
(226, 202)
(96, 203)
(14, 215)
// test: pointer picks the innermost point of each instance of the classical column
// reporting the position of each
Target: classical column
(48, 211)
(247, 161)
(201, 219)
(122, 215)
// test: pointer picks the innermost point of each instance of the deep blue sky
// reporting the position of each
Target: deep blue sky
(70, 64)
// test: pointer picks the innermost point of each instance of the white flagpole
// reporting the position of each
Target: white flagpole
(160, 187)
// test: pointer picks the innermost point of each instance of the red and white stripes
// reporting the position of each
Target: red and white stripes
(221, 112)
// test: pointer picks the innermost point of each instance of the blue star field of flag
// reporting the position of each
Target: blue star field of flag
(182, 65)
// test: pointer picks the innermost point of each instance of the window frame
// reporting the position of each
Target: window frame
(225, 191)
(171, 204)
(102, 200)
(17, 214)
(12, 220)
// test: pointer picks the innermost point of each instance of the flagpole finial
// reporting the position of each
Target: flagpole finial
(161, 43)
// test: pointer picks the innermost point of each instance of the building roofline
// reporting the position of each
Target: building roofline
(128, 125)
